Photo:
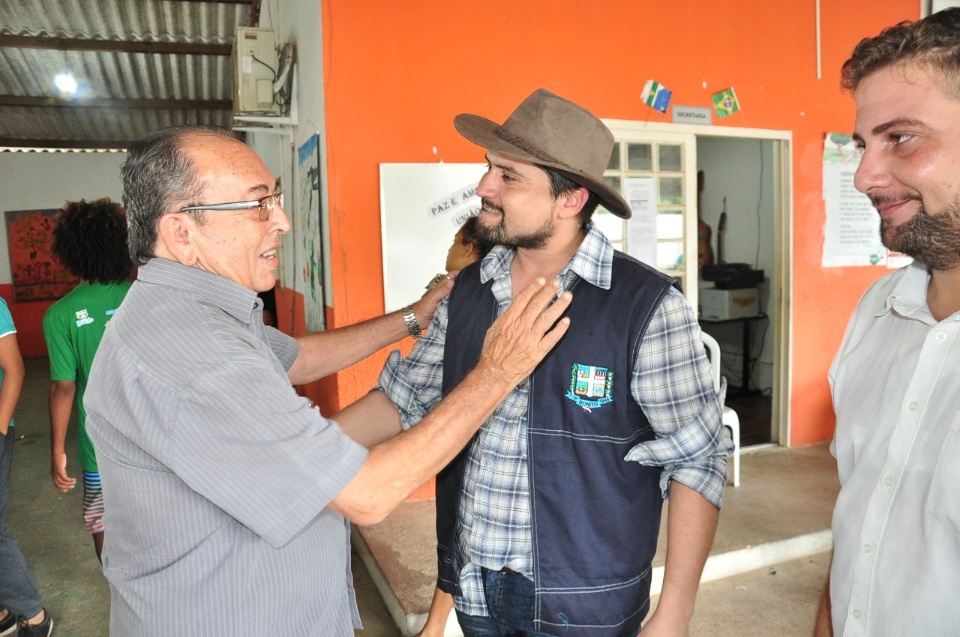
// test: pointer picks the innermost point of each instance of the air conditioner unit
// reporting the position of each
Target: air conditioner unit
(254, 62)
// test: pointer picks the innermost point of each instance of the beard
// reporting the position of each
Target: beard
(497, 234)
(932, 239)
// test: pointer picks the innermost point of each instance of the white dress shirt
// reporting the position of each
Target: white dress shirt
(896, 526)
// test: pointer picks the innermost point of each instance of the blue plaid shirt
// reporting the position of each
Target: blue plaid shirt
(671, 382)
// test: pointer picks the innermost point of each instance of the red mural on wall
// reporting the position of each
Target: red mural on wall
(36, 274)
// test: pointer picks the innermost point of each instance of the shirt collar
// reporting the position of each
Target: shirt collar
(593, 261)
(232, 298)
(908, 298)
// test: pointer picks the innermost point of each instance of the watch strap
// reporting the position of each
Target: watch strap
(413, 326)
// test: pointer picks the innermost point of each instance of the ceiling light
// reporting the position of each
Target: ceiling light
(66, 83)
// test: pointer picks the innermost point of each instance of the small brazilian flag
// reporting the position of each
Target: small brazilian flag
(656, 95)
(725, 103)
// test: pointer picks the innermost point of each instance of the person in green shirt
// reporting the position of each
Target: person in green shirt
(89, 240)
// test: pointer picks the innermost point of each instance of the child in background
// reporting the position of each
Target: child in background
(466, 249)
(89, 240)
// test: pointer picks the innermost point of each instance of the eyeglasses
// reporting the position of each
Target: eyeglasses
(265, 205)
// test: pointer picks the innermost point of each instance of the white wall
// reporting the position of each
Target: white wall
(300, 24)
(743, 171)
(37, 181)
(47, 180)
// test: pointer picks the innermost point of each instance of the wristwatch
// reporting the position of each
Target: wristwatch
(413, 326)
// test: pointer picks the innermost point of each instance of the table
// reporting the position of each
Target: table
(744, 387)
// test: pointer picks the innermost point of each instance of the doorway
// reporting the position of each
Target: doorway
(747, 176)
(737, 203)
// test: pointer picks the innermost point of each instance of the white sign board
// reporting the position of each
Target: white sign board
(421, 208)
(692, 115)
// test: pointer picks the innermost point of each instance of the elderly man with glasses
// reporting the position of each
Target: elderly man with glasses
(228, 496)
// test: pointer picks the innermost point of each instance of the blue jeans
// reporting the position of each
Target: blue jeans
(18, 588)
(510, 602)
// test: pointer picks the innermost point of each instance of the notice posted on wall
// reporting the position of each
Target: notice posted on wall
(642, 225)
(851, 234)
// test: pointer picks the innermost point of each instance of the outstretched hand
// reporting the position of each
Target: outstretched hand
(438, 289)
(526, 332)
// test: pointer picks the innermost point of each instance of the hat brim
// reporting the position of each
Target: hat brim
(483, 132)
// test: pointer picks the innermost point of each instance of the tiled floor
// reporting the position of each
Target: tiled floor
(785, 495)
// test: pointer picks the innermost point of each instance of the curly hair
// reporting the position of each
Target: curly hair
(470, 237)
(932, 43)
(90, 240)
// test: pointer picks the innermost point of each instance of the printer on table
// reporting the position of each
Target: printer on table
(729, 291)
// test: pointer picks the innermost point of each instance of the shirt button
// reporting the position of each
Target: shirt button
(941, 336)
(867, 548)
(887, 481)
(855, 613)
(913, 405)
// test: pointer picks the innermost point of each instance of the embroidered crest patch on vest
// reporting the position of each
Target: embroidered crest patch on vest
(590, 387)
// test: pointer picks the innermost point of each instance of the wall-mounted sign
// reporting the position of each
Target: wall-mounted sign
(421, 208)
(692, 115)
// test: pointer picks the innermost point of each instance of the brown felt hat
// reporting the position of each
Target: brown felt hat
(551, 131)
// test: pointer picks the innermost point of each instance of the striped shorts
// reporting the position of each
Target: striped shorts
(92, 503)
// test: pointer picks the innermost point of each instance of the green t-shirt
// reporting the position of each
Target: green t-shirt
(72, 328)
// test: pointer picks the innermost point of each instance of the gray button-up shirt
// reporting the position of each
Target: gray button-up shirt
(216, 474)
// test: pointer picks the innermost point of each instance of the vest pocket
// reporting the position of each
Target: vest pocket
(610, 609)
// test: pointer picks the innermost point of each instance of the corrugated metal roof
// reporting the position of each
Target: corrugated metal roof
(124, 92)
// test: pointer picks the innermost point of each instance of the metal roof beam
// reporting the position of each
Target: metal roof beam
(106, 102)
(122, 46)
(13, 142)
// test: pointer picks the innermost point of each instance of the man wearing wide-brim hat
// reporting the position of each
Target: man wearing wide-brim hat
(548, 522)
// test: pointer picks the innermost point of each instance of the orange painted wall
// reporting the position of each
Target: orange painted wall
(396, 73)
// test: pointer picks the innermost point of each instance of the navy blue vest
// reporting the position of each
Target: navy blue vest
(595, 516)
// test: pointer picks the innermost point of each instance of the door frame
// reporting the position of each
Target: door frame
(781, 283)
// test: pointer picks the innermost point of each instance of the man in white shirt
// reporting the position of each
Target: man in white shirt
(896, 378)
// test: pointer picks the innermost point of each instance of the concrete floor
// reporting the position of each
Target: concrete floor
(774, 592)
(768, 562)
